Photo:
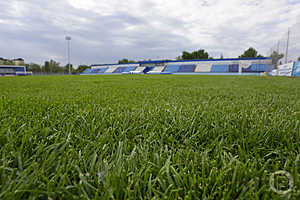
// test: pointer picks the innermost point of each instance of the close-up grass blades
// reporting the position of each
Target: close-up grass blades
(149, 137)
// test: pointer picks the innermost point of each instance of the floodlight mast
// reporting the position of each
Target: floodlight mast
(287, 47)
(68, 39)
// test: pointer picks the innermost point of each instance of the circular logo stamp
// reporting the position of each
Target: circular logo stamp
(281, 182)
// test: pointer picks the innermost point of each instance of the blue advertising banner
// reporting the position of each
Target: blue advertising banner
(296, 70)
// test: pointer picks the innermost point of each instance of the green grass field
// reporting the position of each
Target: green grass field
(148, 137)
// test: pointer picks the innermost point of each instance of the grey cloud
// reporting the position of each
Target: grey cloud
(37, 33)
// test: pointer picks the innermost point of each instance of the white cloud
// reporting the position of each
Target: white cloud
(111, 29)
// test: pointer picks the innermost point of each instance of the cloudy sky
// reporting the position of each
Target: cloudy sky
(104, 31)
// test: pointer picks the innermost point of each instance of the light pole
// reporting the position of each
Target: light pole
(68, 38)
(287, 47)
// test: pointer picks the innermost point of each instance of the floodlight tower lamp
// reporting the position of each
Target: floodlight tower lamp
(68, 39)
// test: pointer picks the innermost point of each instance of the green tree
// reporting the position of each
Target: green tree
(200, 54)
(53, 67)
(81, 68)
(33, 67)
(125, 60)
(276, 57)
(66, 68)
(299, 59)
(250, 53)
(8, 63)
(46, 67)
(144, 60)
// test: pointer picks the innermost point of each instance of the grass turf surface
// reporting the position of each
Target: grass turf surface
(148, 137)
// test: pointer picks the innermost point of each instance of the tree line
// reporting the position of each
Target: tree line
(54, 67)
(202, 54)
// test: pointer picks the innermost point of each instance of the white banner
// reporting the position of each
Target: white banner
(285, 70)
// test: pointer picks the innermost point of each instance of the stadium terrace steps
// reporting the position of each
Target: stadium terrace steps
(138, 70)
(203, 67)
(233, 66)
(220, 68)
(119, 70)
(186, 68)
(111, 69)
(95, 71)
(124, 69)
(128, 69)
(171, 69)
(148, 69)
(179, 69)
(87, 71)
(157, 70)
(103, 70)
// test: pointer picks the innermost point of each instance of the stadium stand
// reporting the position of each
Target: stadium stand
(148, 69)
(119, 70)
(128, 69)
(94, 71)
(10, 70)
(111, 69)
(99, 70)
(233, 66)
(169, 69)
(87, 71)
(256, 68)
(203, 67)
(186, 68)
(156, 70)
(103, 70)
(220, 68)
(138, 70)
(124, 69)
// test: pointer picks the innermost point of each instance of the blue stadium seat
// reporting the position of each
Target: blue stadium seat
(124, 69)
(147, 69)
(186, 68)
(118, 70)
(171, 69)
(220, 68)
(102, 70)
(19, 69)
(95, 71)
(234, 68)
(128, 69)
(270, 68)
(87, 71)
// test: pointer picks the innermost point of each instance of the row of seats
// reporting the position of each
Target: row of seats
(109, 70)
(191, 68)
(124, 69)
(156, 70)
(225, 68)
